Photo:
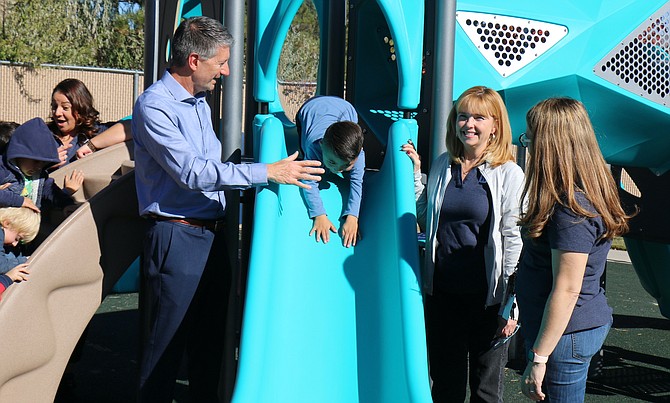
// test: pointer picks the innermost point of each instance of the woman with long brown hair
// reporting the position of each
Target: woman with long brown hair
(75, 122)
(572, 212)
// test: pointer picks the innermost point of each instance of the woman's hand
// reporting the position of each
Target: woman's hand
(62, 156)
(531, 381)
(410, 150)
(84, 151)
(506, 328)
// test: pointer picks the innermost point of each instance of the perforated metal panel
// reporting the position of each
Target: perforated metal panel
(393, 115)
(509, 43)
(641, 62)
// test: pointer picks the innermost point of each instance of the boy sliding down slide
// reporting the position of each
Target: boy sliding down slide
(329, 132)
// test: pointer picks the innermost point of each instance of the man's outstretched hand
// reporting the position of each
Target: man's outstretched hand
(290, 172)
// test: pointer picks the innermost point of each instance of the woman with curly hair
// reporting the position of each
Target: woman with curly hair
(75, 122)
(572, 213)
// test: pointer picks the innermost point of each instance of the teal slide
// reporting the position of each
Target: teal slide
(324, 323)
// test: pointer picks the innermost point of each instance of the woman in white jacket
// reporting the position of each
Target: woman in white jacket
(469, 211)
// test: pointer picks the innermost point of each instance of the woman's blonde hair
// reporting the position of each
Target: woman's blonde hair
(487, 102)
(565, 159)
(23, 220)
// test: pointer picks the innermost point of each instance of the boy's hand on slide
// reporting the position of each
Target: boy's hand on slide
(349, 231)
(73, 181)
(322, 227)
(19, 273)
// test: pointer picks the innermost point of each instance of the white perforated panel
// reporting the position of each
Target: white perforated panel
(641, 62)
(509, 43)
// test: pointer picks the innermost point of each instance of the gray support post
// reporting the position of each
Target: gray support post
(136, 86)
(333, 49)
(231, 124)
(443, 74)
(151, 35)
(230, 133)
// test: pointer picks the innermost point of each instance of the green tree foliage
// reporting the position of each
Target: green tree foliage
(300, 53)
(73, 32)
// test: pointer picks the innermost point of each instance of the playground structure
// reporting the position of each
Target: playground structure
(614, 56)
(350, 328)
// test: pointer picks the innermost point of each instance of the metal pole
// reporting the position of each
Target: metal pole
(443, 70)
(334, 49)
(151, 35)
(230, 128)
(136, 87)
(231, 124)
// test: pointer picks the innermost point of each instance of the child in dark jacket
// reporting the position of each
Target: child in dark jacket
(23, 176)
(16, 225)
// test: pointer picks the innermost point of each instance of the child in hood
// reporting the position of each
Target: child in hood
(24, 181)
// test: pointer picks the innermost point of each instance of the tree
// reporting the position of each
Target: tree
(74, 32)
(300, 53)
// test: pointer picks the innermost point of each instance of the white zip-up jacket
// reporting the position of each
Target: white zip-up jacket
(503, 248)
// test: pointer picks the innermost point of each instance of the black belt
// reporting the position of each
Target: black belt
(212, 225)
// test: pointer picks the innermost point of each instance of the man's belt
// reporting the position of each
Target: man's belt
(212, 225)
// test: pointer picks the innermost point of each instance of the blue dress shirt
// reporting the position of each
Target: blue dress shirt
(178, 166)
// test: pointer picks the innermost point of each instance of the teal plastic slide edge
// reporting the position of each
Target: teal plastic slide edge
(273, 22)
(405, 20)
(327, 323)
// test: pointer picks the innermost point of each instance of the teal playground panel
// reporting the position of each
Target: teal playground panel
(579, 38)
(613, 55)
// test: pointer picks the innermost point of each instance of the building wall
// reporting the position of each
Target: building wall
(26, 92)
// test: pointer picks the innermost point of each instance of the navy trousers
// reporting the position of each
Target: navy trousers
(187, 285)
(460, 330)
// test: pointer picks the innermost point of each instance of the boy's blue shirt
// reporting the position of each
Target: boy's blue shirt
(10, 256)
(316, 115)
(32, 140)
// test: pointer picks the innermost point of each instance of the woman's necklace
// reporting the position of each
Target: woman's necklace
(467, 165)
(66, 139)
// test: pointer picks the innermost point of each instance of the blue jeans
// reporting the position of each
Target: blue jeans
(568, 366)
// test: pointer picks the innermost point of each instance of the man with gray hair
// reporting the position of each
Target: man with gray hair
(180, 181)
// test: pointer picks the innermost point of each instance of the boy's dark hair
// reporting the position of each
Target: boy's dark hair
(6, 131)
(345, 138)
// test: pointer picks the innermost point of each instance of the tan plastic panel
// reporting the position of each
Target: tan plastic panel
(72, 270)
(99, 169)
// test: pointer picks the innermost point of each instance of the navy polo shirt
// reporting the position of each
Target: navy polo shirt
(462, 233)
(565, 231)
